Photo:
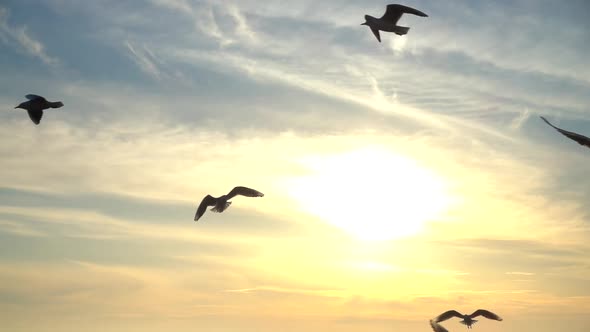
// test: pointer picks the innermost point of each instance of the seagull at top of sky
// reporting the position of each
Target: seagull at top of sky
(221, 203)
(466, 319)
(388, 22)
(35, 106)
(581, 139)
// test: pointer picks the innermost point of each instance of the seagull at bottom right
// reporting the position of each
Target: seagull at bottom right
(466, 319)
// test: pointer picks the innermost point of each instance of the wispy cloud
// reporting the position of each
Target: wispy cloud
(18, 36)
(180, 5)
(271, 289)
(117, 174)
(145, 60)
(521, 273)
(520, 120)
(18, 228)
(242, 27)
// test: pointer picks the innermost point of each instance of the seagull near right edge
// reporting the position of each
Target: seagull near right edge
(581, 139)
(388, 22)
(466, 319)
(35, 106)
(221, 203)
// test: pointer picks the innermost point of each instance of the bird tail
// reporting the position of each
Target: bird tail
(399, 30)
(56, 104)
(221, 209)
(473, 321)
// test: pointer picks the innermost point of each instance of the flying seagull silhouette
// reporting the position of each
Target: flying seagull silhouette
(35, 106)
(466, 319)
(221, 203)
(388, 22)
(581, 139)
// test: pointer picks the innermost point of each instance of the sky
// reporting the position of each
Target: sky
(401, 179)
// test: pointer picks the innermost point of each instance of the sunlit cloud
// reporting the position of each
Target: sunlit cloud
(17, 228)
(521, 273)
(467, 202)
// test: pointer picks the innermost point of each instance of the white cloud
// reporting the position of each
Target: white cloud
(242, 27)
(520, 120)
(144, 59)
(18, 35)
(521, 273)
(18, 228)
(179, 5)
(398, 44)
(120, 140)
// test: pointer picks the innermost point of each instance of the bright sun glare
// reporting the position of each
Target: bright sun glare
(372, 193)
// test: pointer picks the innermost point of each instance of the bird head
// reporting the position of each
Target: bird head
(21, 105)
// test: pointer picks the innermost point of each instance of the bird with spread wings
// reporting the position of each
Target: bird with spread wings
(466, 319)
(388, 22)
(221, 203)
(35, 106)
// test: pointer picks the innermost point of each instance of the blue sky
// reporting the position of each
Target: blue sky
(169, 100)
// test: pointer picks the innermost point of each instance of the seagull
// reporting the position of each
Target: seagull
(35, 106)
(388, 22)
(467, 319)
(221, 203)
(581, 139)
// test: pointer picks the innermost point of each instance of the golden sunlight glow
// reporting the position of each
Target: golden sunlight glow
(372, 193)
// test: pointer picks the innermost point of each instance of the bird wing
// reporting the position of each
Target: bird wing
(448, 314)
(394, 12)
(486, 314)
(35, 115)
(244, 192)
(376, 33)
(33, 97)
(547, 122)
(581, 139)
(437, 327)
(207, 201)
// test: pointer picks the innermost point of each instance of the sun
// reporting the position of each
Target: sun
(371, 193)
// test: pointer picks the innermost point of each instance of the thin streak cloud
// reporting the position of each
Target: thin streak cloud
(144, 59)
(19, 37)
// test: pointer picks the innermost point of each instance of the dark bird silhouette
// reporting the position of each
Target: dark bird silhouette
(35, 106)
(581, 139)
(466, 319)
(388, 22)
(221, 203)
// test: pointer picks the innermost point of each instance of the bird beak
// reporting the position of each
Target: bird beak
(15, 107)
(364, 23)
